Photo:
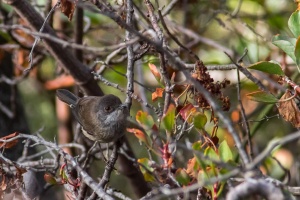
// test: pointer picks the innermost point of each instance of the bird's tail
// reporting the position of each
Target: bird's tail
(66, 96)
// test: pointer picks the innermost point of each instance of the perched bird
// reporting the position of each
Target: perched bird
(102, 119)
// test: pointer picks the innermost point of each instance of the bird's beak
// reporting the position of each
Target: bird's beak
(123, 106)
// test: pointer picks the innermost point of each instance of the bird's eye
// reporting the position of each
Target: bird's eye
(107, 108)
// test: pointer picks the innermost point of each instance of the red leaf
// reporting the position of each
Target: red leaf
(139, 134)
(187, 111)
(10, 144)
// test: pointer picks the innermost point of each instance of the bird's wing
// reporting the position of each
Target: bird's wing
(83, 112)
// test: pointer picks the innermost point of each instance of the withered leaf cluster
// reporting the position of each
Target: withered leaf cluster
(203, 77)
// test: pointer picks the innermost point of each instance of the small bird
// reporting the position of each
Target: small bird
(102, 119)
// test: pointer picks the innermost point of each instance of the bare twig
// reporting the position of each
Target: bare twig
(245, 122)
(37, 39)
(108, 169)
(6, 110)
(214, 67)
(192, 54)
(66, 44)
(255, 187)
(130, 55)
(248, 74)
(72, 161)
(106, 82)
(162, 59)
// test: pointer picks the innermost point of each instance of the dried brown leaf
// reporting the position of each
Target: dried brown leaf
(3, 184)
(289, 110)
(68, 7)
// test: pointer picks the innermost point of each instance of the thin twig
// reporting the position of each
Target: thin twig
(85, 177)
(245, 121)
(130, 55)
(192, 54)
(37, 38)
(108, 169)
(134, 96)
(66, 44)
(248, 74)
(162, 59)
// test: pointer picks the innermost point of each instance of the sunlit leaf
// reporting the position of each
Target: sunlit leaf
(225, 151)
(157, 94)
(211, 153)
(182, 177)
(139, 134)
(286, 44)
(64, 175)
(294, 23)
(145, 169)
(297, 53)
(144, 119)
(270, 67)
(261, 96)
(154, 71)
(168, 119)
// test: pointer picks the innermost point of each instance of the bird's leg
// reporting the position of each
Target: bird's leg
(89, 153)
(109, 167)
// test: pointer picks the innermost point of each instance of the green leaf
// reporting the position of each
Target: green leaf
(262, 97)
(294, 23)
(199, 120)
(144, 119)
(182, 177)
(212, 155)
(146, 168)
(270, 67)
(168, 119)
(225, 151)
(197, 146)
(286, 44)
(200, 162)
(202, 176)
(64, 175)
(297, 53)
